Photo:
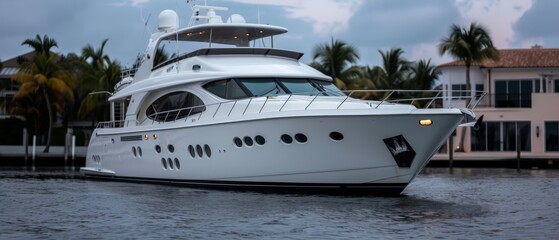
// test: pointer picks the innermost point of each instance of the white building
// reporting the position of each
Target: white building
(523, 93)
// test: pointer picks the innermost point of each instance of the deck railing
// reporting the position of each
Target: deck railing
(256, 105)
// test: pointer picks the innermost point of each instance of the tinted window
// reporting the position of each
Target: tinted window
(175, 105)
(262, 87)
(300, 86)
(259, 87)
(329, 88)
(228, 89)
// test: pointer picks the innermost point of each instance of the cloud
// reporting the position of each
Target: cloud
(136, 3)
(538, 24)
(395, 24)
(498, 16)
(133, 3)
(428, 51)
(327, 17)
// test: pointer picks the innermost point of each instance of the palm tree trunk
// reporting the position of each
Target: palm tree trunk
(47, 147)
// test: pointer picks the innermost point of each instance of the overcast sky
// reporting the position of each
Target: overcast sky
(416, 26)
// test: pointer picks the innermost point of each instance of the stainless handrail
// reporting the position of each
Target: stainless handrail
(449, 96)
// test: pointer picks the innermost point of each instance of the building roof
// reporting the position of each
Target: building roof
(518, 58)
(11, 65)
(13, 62)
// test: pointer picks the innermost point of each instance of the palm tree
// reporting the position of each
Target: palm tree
(336, 60)
(470, 45)
(423, 77)
(41, 45)
(99, 74)
(43, 81)
(107, 78)
(375, 79)
(396, 68)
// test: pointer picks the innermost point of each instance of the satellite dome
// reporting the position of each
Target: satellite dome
(168, 21)
(236, 18)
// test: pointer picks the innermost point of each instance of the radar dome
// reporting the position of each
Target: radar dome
(236, 18)
(168, 21)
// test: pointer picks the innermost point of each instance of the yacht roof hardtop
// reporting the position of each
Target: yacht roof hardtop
(238, 34)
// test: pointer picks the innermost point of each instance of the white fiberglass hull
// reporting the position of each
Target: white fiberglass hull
(363, 161)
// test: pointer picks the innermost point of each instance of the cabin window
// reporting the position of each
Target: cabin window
(329, 88)
(228, 89)
(303, 86)
(175, 105)
(260, 87)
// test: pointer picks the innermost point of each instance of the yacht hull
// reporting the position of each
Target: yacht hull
(354, 153)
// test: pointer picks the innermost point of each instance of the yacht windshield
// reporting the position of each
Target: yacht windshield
(257, 87)
(262, 87)
(301, 86)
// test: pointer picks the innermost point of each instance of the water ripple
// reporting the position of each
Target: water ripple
(468, 204)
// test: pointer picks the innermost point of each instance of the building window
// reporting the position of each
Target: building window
(552, 136)
(501, 136)
(515, 93)
(556, 83)
(459, 91)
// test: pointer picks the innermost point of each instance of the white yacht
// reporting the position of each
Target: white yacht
(239, 113)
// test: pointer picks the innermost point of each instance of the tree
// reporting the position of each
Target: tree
(396, 68)
(41, 45)
(336, 60)
(99, 74)
(374, 78)
(470, 45)
(423, 77)
(44, 84)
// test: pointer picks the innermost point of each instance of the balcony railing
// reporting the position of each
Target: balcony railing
(507, 101)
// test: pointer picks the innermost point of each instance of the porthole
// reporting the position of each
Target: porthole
(286, 138)
(191, 151)
(199, 150)
(336, 136)
(248, 141)
(157, 148)
(170, 163)
(208, 150)
(177, 164)
(171, 148)
(164, 163)
(260, 140)
(134, 151)
(301, 138)
(139, 151)
(238, 142)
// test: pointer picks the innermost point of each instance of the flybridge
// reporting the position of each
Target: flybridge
(172, 44)
(235, 31)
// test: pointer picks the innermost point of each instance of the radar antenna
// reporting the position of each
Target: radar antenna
(145, 21)
(210, 15)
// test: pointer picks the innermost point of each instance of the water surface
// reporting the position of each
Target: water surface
(468, 204)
